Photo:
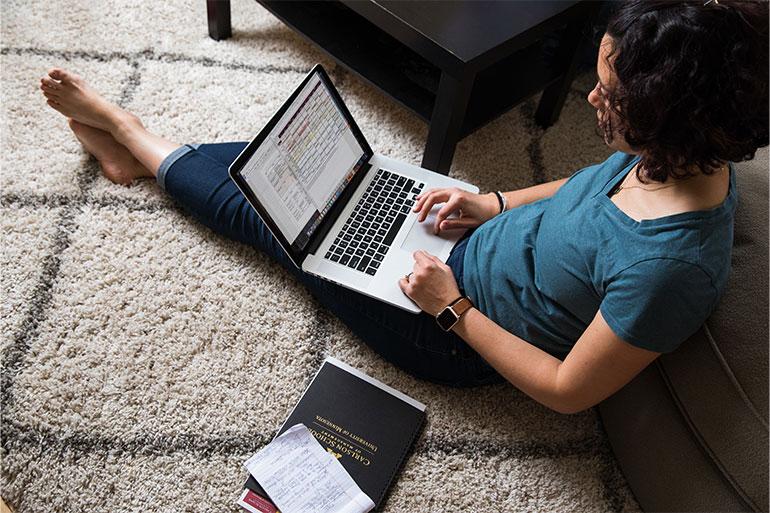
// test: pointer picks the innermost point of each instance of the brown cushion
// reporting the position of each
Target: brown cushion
(739, 324)
(691, 433)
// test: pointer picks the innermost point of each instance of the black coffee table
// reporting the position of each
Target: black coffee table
(456, 64)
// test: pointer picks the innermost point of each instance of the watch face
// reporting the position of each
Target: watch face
(446, 319)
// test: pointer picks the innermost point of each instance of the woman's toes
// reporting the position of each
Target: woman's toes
(51, 84)
(63, 75)
(48, 91)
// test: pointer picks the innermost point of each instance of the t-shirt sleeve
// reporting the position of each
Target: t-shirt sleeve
(657, 304)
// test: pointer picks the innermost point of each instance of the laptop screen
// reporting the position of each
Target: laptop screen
(304, 163)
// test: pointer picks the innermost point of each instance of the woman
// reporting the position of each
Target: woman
(577, 284)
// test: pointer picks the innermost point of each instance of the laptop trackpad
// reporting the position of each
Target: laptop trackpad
(421, 236)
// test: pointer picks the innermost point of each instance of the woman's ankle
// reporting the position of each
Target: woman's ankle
(124, 126)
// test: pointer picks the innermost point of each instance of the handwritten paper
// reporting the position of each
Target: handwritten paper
(301, 477)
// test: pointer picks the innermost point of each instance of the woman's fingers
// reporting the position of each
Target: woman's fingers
(424, 193)
(429, 192)
(437, 196)
(422, 198)
(450, 206)
(434, 258)
(404, 284)
(423, 259)
(457, 223)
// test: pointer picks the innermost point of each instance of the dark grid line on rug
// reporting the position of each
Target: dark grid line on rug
(38, 305)
(133, 82)
(13, 356)
(245, 444)
(32, 200)
(613, 481)
(319, 339)
(534, 147)
(149, 55)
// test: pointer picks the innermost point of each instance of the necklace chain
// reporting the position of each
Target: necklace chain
(622, 186)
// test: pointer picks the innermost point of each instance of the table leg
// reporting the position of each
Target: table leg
(446, 121)
(218, 12)
(552, 100)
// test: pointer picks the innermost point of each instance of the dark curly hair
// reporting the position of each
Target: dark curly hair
(692, 88)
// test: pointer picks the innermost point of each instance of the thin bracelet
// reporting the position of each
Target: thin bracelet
(502, 201)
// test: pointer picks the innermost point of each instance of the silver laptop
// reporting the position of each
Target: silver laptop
(339, 210)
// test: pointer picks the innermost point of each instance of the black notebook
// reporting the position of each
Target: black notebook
(368, 426)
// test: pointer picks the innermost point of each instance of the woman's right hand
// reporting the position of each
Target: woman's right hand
(472, 209)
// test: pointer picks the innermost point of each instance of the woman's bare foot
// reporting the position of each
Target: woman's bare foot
(119, 140)
(117, 163)
(68, 93)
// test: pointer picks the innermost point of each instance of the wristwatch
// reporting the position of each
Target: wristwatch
(450, 315)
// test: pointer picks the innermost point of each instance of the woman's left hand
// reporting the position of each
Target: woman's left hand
(431, 284)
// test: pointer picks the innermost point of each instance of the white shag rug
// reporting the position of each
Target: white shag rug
(138, 370)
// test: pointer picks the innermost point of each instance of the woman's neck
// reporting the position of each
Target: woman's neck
(650, 200)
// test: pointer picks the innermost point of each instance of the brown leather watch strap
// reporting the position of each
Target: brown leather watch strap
(461, 306)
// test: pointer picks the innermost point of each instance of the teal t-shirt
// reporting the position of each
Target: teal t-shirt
(542, 270)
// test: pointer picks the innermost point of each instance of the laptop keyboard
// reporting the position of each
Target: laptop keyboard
(373, 224)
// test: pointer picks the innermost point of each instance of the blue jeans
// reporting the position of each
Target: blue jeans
(196, 177)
